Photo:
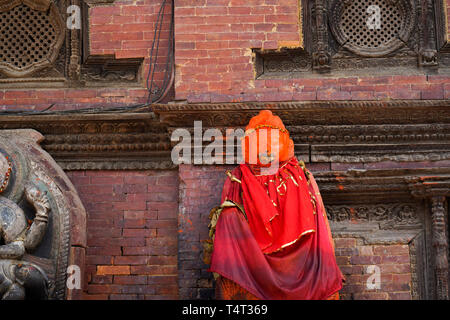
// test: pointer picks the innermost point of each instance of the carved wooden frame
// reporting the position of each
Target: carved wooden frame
(423, 44)
(72, 65)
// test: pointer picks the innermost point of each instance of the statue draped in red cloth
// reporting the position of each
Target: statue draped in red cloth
(271, 237)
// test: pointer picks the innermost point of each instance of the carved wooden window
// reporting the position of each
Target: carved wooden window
(30, 37)
(373, 28)
(38, 48)
(364, 35)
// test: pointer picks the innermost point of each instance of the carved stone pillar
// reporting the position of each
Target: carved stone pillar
(440, 245)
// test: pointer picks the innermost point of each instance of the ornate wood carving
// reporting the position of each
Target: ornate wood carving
(321, 55)
(440, 245)
(75, 52)
(428, 53)
(342, 36)
(435, 188)
(355, 132)
(31, 35)
(385, 211)
(107, 141)
(389, 215)
(68, 62)
(349, 24)
(102, 69)
(363, 131)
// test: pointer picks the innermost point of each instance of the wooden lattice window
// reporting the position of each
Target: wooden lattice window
(31, 33)
(372, 28)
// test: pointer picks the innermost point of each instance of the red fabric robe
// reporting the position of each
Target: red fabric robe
(281, 247)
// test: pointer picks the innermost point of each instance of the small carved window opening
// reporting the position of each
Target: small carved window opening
(372, 28)
(30, 37)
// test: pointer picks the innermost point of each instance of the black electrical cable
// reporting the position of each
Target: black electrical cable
(163, 91)
(167, 82)
(156, 37)
(170, 62)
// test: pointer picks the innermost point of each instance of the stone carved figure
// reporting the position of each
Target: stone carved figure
(19, 278)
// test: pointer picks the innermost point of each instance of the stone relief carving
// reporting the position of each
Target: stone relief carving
(17, 276)
(37, 203)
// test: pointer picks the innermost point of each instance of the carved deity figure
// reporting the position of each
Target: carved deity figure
(18, 237)
(270, 237)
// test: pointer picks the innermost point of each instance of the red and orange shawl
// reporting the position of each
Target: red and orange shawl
(274, 239)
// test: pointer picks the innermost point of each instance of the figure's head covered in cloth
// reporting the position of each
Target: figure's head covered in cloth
(266, 141)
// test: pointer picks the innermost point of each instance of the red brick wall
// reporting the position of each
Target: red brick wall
(132, 233)
(394, 265)
(214, 59)
(200, 191)
(125, 29)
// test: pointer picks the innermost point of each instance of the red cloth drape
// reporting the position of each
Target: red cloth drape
(283, 250)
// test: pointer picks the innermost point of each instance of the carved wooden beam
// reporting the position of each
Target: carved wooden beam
(100, 141)
(323, 132)
(347, 131)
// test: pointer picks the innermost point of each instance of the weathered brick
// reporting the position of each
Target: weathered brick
(105, 270)
(135, 279)
(366, 260)
(118, 231)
